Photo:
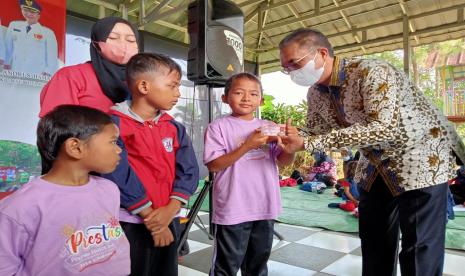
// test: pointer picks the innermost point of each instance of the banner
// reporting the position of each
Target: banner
(32, 48)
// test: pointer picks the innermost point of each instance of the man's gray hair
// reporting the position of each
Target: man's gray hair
(309, 38)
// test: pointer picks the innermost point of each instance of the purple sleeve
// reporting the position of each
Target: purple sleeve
(214, 143)
(13, 243)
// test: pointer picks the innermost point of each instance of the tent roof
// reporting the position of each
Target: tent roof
(354, 27)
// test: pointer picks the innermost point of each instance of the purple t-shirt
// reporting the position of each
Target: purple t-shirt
(50, 229)
(248, 190)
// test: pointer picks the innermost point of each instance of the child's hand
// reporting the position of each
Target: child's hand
(160, 218)
(164, 238)
(290, 142)
(147, 211)
(255, 140)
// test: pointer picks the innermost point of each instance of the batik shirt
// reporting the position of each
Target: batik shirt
(373, 106)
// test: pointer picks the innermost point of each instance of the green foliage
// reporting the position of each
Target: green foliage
(279, 113)
(424, 77)
(18, 154)
(393, 57)
(24, 157)
(461, 131)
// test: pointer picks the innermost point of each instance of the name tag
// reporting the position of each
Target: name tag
(16, 30)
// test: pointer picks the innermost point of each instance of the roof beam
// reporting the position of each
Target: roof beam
(262, 16)
(252, 14)
(248, 3)
(308, 16)
(104, 4)
(405, 11)
(141, 14)
(341, 19)
(349, 24)
(152, 15)
(269, 7)
(131, 10)
(395, 37)
(296, 14)
(394, 21)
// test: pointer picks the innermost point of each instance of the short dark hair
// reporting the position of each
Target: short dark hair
(238, 76)
(306, 37)
(64, 122)
(148, 63)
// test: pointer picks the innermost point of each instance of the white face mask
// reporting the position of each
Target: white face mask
(346, 158)
(307, 75)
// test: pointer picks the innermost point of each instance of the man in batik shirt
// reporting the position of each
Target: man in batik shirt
(408, 150)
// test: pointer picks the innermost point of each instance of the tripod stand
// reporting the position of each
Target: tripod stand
(207, 188)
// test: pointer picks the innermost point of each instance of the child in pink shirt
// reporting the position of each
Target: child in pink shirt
(246, 197)
(66, 222)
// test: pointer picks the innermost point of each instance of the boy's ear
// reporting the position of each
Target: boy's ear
(224, 98)
(143, 86)
(74, 148)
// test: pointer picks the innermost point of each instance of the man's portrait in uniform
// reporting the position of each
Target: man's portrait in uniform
(29, 46)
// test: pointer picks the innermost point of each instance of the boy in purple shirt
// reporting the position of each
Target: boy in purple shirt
(66, 222)
(246, 195)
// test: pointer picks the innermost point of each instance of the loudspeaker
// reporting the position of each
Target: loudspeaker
(216, 31)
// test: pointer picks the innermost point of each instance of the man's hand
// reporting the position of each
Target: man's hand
(159, 219)
(164, 238)
(291, 142)
(255, 140)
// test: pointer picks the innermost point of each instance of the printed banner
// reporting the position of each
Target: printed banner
(32, 48)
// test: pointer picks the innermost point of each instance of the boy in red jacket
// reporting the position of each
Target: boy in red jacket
(158, 169)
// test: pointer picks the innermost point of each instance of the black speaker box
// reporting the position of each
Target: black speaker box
(216, 51)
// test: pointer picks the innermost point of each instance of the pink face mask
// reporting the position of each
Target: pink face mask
(116, 53)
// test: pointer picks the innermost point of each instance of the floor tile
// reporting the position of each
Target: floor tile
(281, 269)
(314, 229)
(454, 264)
(349, 265)
(357, 251)
(195, 246)
(185, 271)
(305, 251)
(304, 256)
(345, 234)
(455, 252)
(204, 218)
(200, 260)
(292, 233)
(199, 236)
(193, 228)
(278, 244)
(331, 241)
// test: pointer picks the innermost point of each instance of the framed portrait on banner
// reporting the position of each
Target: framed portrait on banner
(32, 49)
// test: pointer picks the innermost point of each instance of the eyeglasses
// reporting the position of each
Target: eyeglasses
(295, 64)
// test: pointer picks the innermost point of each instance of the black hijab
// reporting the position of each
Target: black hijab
(111, 76)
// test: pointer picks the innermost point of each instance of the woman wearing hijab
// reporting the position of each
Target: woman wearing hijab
(101, 82)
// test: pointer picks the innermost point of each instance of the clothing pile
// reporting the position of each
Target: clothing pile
(314, 187)
(287, 182)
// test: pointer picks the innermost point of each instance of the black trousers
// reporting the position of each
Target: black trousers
(146, 259)
(420, 215)
(246, 246)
